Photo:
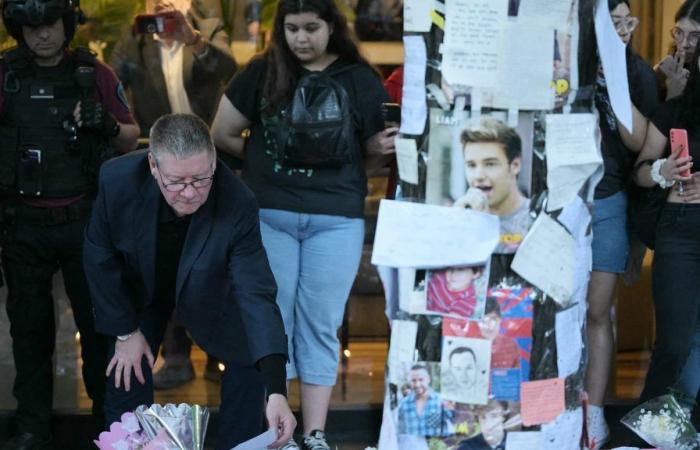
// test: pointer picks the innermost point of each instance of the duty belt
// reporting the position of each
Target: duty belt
(53, 216)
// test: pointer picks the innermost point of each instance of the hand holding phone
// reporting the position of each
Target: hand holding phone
(391, 112)
(155, 23)
(679, 141)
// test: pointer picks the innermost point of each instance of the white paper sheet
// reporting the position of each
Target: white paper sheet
(551, 13)
(403, 345)
(523, 440)
(612, 54)
(416, 15)
(564, 433)
(407, 159)
(526, 68)
(573, 156)
(260, 442)
(474, 31)
(546, 258)
(427, 236)
(569, 341)
(414, 109)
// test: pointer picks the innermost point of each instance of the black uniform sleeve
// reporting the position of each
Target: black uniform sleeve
(245, 89)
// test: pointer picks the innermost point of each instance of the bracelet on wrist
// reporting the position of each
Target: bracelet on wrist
(658, 177)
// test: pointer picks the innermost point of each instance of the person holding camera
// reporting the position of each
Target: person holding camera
(62, 113)
(173, 62)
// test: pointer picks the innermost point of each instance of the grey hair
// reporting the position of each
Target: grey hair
(181, 136)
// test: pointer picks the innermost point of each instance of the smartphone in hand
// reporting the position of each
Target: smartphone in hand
(679, 140)
(154, 23)
(391, 112)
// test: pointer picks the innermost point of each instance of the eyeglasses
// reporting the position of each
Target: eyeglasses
(679, 35)
(178, 186)
(626, 25)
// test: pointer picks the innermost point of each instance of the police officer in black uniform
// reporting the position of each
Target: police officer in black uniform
(62, 113)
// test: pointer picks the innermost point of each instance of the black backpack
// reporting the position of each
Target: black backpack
(317, 128)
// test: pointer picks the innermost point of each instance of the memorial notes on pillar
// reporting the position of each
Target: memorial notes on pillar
(416, 15)
(414, 109)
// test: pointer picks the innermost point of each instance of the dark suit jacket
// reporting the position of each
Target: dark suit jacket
(225, 292)
(136, 60)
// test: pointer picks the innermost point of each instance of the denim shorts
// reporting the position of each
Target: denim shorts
(314, 258)
(610, 239)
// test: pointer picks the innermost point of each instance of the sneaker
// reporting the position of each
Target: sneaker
(171, 376)
(316, 440)
(290, 445)
(598, 431)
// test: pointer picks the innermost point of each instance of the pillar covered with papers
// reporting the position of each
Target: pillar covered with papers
(488, 240)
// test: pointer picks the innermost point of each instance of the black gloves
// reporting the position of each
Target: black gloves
(94, 116)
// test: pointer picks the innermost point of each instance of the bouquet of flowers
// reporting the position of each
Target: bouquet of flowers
(169, 427)
(662, 423)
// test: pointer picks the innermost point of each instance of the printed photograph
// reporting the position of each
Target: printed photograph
(465, 368)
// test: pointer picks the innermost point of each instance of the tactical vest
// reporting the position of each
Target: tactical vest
(38, 114)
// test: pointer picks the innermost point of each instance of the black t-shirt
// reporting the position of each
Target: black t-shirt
(669, 116)
(337, 191)
(617, 159)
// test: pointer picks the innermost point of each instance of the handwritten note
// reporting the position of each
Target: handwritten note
(414, 109)
(612, 55)
(416, 15)
(573, 156)
(260, 442)
(474, 32)
(407, 159)
(569, 341)
(531, 88)
(546, 258)
(541, 401)
(523, 440)
(427, 236)
(550, 13)
(403, 345)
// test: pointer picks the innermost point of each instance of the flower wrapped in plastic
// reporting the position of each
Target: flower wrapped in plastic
(185, 425)
(662, 423)
(169, 427)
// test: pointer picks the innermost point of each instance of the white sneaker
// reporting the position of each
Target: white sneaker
(598, 431)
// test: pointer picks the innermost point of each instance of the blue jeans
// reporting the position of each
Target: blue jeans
(314, 259)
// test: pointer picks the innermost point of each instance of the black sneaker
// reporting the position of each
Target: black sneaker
(316, 440)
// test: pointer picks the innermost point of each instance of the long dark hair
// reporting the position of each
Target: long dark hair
(690, 99)
(283, 67)
(690, 9)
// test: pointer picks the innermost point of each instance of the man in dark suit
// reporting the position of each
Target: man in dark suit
(184, 71)
(171, 231)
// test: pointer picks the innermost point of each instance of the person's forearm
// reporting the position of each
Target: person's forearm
(634, 141)
(127, 138)
(643, 176)
(232, 145)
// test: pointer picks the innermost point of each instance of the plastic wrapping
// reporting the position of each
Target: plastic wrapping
(662, 423)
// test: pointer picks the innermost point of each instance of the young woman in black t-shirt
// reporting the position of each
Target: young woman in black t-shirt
(677, 254)
(311, 217)
(610, 238)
